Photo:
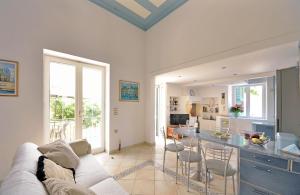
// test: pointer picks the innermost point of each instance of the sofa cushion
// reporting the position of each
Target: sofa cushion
(22, 183)
(61, 187)
(49, 169)
(61, 153)
(89, 171)
(81, 147)
(26, 158)
(108, 186)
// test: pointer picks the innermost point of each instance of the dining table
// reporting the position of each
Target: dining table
(238, 141)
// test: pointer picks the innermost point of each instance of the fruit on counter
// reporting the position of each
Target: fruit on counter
(247, 136)
(255, 136)
(263, 137)
(218, 133)
(221, 134)
(256, 140)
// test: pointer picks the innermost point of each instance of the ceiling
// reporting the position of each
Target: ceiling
(246, 66)
(142, 13)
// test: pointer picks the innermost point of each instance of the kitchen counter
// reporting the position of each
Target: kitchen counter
(260, 169)
(237, 140)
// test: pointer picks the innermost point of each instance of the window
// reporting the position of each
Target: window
(252, 98)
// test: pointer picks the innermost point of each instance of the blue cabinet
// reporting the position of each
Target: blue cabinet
(268, 160)
(262, 174)
(296, 167)
(248, 189)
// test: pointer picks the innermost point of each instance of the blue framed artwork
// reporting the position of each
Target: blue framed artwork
(8, 78)
(129, 91)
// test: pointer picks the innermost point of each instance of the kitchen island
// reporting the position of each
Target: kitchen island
(260, 169)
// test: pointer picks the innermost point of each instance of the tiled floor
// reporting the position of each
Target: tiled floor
(149, 179)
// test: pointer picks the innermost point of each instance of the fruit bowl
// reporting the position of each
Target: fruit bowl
(257, 138)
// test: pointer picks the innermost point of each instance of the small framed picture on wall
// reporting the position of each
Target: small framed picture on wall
(129, 91)
(8, 78)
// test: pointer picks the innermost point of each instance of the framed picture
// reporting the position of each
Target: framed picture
(129, 91)
(8, 78)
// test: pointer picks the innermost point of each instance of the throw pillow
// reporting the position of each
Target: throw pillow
(48, 169)
(61, 153)
(60, 187)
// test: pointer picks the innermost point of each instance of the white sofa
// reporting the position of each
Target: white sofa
(22, 180)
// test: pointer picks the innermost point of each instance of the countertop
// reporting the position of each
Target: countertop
(263, 123)
(237, 140)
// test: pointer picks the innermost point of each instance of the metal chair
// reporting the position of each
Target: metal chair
(186, 142)
(188, 156)
(218, 164)
(171, 147)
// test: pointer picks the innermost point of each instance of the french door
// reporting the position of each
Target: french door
(76, 106)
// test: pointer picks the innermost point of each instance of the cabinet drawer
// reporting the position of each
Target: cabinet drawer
(273, 179)
(268, 160)
(296, 167)
(251, 190)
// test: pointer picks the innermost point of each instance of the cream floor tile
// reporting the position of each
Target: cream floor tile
(128, 163)
(159, 175)
(182, 190)
(145, 174)
(113, 162)
(145, 157)
(112, 169)
(138, 162)
(145, 187)
(124, 168)
(130, 176)
(127, 185)
(165, 188)
(149, 167)
(150, 180)
(158, 156)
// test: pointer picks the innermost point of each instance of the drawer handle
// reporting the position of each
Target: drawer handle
(261, 158)
(262, 169)
(256, 191)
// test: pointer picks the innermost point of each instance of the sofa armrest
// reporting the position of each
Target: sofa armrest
(81, 147)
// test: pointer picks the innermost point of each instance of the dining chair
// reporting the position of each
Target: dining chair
(188, 156)
(171, 147)
(186, 142)
(218, 164)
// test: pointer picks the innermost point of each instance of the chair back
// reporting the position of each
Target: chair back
(190, 147)
(221, 155)
(163, 132)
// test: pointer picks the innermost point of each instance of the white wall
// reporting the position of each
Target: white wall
(213, 91)
(75, 27)
(203, 31)
(177, 91)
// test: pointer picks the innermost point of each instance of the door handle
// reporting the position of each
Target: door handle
(262, 169)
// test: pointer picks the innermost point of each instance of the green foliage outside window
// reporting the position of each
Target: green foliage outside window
(62, 110)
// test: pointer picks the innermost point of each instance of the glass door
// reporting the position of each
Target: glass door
(92, 106)
(62, 100)
(76, 101)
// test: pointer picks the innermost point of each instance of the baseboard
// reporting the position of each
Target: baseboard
(131, 146)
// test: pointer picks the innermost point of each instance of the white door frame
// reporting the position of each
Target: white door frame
(78, 96)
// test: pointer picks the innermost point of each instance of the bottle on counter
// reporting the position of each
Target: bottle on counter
(197, 125)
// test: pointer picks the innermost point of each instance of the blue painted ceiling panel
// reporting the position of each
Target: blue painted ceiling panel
(156, 13)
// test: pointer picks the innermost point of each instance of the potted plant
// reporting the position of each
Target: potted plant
(236, 110)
